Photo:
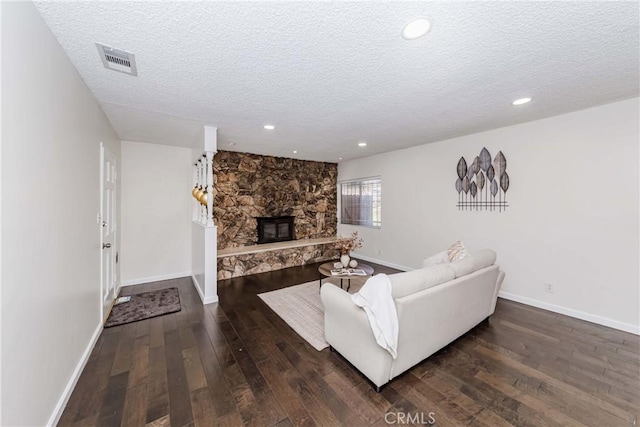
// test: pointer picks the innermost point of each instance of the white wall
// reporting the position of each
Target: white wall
(0, 231)
(51, 132)
(572, 220)
(156, 212)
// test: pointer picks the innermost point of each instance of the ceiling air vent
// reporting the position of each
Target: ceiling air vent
(117, 60)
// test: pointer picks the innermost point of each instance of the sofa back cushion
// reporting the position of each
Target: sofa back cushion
(474, 262)
(439, 258)
(403, 284)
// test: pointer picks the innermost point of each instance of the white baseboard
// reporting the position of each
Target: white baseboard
(150, 279)
(604, 321)
(202, 298)
(381, 262)
(66, 394)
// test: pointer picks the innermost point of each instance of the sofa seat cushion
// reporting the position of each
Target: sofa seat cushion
(403, 284)
(474, 262)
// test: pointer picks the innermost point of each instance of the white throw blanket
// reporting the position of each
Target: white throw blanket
(376, 300)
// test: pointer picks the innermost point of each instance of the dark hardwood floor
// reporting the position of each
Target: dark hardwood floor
(237, 363)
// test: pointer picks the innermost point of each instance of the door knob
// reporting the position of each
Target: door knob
(106, 245)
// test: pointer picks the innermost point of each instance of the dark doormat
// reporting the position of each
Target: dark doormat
(144, 306)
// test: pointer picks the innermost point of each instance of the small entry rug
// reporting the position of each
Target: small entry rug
(300, 306)
(144, 306)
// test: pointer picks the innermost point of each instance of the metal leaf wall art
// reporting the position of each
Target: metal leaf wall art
(482, 174)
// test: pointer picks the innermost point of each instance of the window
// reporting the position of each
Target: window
(360, 202)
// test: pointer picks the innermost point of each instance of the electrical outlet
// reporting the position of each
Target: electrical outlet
(548, 287)
(379, 251)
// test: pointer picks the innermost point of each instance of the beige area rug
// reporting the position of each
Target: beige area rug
(300, 306)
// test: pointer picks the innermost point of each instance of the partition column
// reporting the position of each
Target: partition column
(204, 232)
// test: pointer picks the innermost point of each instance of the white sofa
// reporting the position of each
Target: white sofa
(435, 306)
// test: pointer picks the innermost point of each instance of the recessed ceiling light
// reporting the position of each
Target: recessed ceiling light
(521, 101)
(269, 127)
(295, 151)
(339, 158)
(362, 144)
(416, 28)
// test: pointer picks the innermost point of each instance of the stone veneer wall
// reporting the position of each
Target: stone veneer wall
(243, 265)
(249, 185)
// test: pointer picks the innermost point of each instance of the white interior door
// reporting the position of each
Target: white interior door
(108, 229)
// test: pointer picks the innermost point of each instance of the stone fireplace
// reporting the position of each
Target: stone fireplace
(275, 229)
(249, 188)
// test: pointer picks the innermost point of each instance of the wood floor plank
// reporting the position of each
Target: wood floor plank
(462, 372)
(142, 327)
(401, 407)
(272, 411)
(422, 396)
(246, 335)
(551, 414)
(179, 402)
(196, 378)
(91, 388)
(230, 420)
(169, 322)
(268, 339)
(218, 388)
(529, 331)
(135, 405)
(204, 413)
(245, 400)
(316, 383)
(140, 361)
(290, 401)
(187, 339)
(122, 362)
(113, 404)
(352, 398)
(160, 422)
(111, 338)
(452, 392)
(156, 332)
(320, 412)
(91, 420)
(157, 386)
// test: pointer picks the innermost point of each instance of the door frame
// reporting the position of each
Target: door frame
(105, 308)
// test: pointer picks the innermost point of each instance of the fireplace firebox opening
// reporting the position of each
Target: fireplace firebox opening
(275, 229)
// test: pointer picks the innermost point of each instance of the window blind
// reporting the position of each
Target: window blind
(360, 202)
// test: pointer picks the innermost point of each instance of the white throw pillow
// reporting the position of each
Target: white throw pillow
(439, 258)
(457, 251)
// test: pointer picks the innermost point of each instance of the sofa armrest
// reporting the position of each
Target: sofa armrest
(347, 330)
(497, 289)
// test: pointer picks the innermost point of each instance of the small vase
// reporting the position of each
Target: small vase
(344, 259)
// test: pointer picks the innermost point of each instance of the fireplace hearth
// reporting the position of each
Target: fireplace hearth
(275, 229)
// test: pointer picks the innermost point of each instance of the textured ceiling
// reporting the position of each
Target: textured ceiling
(331, 74)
